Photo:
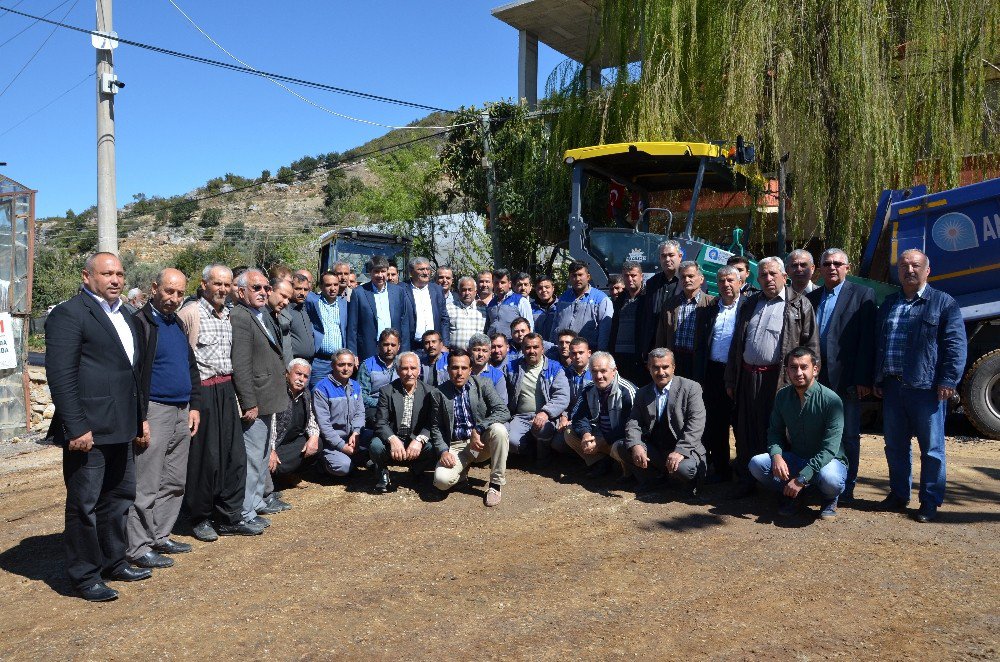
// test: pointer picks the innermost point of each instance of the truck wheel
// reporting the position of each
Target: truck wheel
(981, 394)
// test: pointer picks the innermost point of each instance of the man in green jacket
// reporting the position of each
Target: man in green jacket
(804, 438)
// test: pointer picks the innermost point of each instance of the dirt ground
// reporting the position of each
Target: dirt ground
(564, 569)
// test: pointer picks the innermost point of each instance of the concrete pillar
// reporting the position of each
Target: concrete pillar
(527, 68)
(593, 78)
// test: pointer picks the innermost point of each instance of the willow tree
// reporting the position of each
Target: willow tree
(862, 94)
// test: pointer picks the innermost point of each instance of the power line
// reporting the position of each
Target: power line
(37, 51)
(89, 75)
(233, 67)
(290, 90)
(31, 25)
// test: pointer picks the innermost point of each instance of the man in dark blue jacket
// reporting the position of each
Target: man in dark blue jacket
(845, 315)
(428, 308)
(920, 358)
(376, 306)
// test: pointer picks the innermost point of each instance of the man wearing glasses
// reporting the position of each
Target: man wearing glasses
(259, 379)
(845, 314)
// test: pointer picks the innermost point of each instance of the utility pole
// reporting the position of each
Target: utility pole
(107, 205)
(490, 190)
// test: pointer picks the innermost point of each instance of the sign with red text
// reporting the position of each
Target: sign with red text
(8, 353)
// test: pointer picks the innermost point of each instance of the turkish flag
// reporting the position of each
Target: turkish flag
(635, 211)
(616, 196)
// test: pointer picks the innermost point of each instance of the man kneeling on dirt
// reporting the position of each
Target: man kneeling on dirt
(402, 423)
(340, 413)
(598, 419)
(663, 432)
(807, 423)
(295, 437)
(469, 428)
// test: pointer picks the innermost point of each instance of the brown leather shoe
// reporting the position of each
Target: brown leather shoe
(492, 497)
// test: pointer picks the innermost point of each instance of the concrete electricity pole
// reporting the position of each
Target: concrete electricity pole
(107, 87)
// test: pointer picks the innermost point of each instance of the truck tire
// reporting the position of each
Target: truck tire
(981, 394)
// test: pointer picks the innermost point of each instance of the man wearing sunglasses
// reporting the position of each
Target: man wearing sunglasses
(259, 379)
(845, 315)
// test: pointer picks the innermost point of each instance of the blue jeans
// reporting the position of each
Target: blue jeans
(909, 412)
(852, 438)
(320, 369)
(829, 481)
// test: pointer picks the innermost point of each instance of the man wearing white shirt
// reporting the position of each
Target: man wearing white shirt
(429, 312)
(713, 335)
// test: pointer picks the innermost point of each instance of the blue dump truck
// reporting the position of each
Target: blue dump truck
(959, 230)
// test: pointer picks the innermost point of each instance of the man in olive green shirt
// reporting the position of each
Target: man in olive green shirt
(804, 438)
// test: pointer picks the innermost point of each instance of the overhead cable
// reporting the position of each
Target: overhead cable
(30, 25)
(90, 75)
(293, 92)
(233, 67)
(35, 54)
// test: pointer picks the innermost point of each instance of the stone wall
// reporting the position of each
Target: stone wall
(41, 408)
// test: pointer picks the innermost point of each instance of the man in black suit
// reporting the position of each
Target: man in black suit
(402, 422)
(845, 315)
(93, 362)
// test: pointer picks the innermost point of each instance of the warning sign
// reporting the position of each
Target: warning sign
(8, 354)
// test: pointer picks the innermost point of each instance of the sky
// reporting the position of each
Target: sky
(180, 123)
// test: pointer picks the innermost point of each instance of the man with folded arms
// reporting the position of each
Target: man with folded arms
(170, 381)
(663, 432)
(804, 438)
(402, 423)
(468, 428)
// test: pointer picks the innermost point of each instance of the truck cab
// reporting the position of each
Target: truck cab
(356, 246)
(645, 169)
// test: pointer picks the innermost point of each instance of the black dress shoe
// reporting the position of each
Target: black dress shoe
(260, 522)
(241, 529)
(204, 532)
(274, 499)
(169, 546)
(270, 509)
(926, 514)
(153, 560)
(892, 504)
(384, 483)
(99, 592)
(127, 573)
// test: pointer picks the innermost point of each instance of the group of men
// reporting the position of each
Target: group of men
(214, 402)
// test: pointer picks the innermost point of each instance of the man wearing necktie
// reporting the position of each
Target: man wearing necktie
(259, 379)
(663, 433)
(93, 360)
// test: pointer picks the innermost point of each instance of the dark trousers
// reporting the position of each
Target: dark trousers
(690, 468)
(631, 368)
(684, 362)
(290, 455)
(379, 452)
(217, 461)
(755, 393)
(100, 488)
(719, 417)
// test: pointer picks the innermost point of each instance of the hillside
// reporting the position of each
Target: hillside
(299, 202)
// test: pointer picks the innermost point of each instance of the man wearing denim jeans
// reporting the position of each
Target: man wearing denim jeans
(920, 358)
(845, 315)
(804, 438)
